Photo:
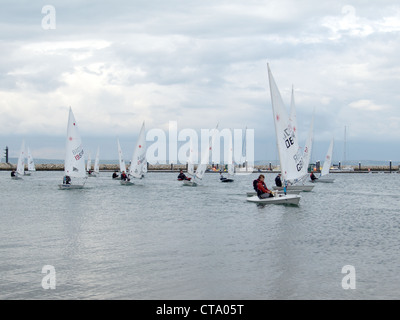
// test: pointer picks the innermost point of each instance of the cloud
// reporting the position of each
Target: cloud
(366, 105)
(197, 62)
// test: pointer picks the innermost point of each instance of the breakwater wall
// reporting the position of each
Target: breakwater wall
(178, 167)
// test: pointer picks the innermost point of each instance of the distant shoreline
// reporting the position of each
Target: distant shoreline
(178, 167)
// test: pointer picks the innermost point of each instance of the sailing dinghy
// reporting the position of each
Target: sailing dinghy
(327, 165)
(201, 168)
(231, 166)
(31, 164)
(122, 166)
(138, 167)
(74, 165)
(21, 164)
(290, 155)
(278, 198)
(190, 163)
(96, 167)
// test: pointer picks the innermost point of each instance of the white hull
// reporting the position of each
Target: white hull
(16, 178)
(126, 183)
(305, 188)
(189, 183)
(27, 173)
(70, 186)
(280, 199)
(324, 180)
(296, 192)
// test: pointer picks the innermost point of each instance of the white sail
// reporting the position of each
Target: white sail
(191, 159)
(31, 163)
(293, 117)
(201, 168)
(96, 161)
(139, 163)
(244, 155)
(21, 160)
(89, 163)
(231, 166)
(122, 166)
(328, 160)
(74, 165)
(290, 156)
(308, 148)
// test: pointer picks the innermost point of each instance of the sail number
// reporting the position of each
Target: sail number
(288, 142)
(299, 166)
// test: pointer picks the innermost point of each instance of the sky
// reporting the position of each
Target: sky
(119, 63)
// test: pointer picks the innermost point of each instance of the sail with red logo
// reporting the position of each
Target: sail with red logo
(74, 164)
(138, 166)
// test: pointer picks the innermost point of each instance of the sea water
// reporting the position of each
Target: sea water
(161, 240)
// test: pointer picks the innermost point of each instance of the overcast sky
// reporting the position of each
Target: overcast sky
(119, 63)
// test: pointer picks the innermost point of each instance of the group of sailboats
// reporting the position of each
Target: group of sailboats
(138, 165)
(197, 175)
(96, 167)
(21, 164)
(74, 163)
(294, 161)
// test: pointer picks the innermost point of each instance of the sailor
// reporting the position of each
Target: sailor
(115, 175)
(278, 180)
(124, 176)
(13, 173)
(67, 180)
(182, 176)
(313, 177)
(262, 190)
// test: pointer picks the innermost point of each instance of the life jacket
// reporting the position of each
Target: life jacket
(259, 192)
(255, 182)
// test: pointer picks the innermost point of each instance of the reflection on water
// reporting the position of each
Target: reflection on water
(160, 240)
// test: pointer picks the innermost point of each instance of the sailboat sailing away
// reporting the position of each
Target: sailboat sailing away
(326, 166)
(74, 164)
(89, 165)
(96, 168)
(201, 168)
(231, 165)
(122, 166)
(190, 163)
(138, 167)
(21, 163)
(31, 163)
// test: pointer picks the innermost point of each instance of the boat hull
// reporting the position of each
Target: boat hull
(227, 180)
(70, 186)
(325, 180)
(126, 183)
(188, 183)
(253, 193)
(305, 188)
(16, 178)
(289, 199)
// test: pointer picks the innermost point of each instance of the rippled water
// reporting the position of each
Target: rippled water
(161, 240)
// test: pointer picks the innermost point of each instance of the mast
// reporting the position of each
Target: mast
(344, 151)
